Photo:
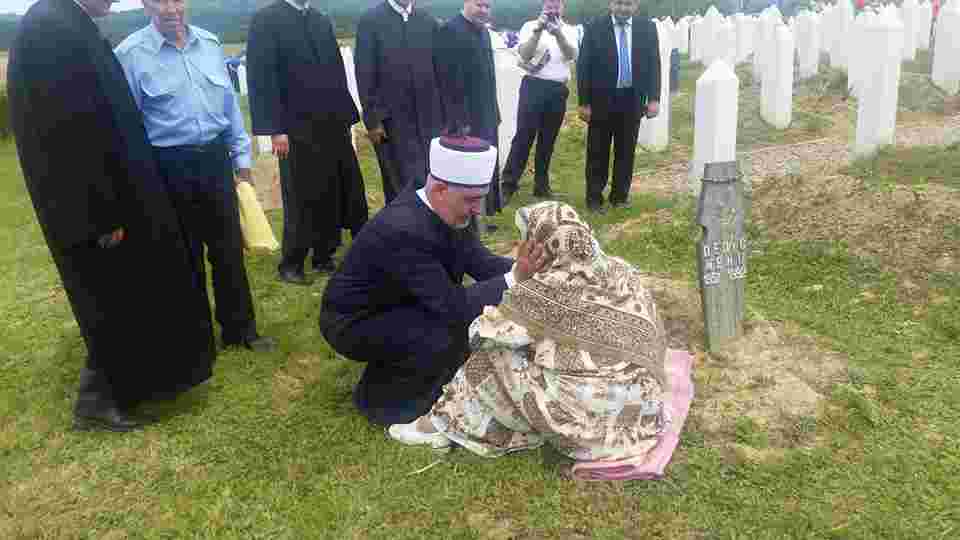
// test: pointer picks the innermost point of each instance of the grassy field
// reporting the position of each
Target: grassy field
(271, 448)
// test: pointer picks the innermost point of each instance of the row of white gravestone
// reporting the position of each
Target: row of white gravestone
(946, 54)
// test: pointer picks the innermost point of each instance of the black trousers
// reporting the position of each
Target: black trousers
(402, 157)
(621, 124)
(409, 353)
(541, 109)
(200, 180)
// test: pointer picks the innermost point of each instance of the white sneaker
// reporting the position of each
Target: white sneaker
(409, 434)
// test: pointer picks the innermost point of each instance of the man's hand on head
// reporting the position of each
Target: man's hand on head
(531, 258)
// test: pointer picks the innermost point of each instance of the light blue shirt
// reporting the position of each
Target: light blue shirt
(185, 95)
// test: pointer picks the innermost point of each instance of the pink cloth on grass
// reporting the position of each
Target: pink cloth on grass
(651, 465)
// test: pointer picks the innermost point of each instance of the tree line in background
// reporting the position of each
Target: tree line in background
(230, 19)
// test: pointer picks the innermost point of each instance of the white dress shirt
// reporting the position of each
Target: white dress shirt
(558, 67)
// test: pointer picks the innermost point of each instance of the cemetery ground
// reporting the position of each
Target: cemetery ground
(834, 418)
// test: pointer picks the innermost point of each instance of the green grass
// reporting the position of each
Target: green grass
(272, 448)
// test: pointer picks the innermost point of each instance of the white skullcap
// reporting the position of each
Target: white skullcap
(462, 161)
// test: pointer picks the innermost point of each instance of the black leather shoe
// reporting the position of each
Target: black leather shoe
(294, 277)
(597, 208)
(255, 344)
(620, 204)
(105, 419)
(326, 267)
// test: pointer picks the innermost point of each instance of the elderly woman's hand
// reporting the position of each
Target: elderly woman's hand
(531, 258)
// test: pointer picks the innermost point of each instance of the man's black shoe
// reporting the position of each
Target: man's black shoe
(508, 192)
(597, 208)
(294, 277)
(620, 204)
(108, 418)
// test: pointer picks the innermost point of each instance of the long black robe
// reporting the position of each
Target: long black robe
(468, 87)
(298, 87)
(90, 170)
(406, 314)
(396, 80)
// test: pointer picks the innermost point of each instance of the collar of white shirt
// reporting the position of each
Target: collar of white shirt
(628, 22)
(297, 6)
(404, 12)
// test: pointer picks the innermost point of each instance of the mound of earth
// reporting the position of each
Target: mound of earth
(905, 230)
(774, 376)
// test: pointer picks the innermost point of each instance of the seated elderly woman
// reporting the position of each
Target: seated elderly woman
(573, 357)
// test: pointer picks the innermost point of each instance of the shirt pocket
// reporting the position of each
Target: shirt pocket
(159, 89)
(218, 90)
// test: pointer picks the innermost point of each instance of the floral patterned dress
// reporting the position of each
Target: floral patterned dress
(572, 357)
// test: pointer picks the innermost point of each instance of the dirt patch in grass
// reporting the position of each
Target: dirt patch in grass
(910, 231)
(289, 384)
(765, 391)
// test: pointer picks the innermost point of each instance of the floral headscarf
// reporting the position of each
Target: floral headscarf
(585, 298)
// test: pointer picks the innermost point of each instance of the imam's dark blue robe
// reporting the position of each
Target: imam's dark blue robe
(398, 304)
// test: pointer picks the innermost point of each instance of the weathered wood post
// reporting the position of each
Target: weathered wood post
(722, 253)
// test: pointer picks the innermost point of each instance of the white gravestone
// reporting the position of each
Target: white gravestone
(758, 47)
(808, 45)
(877, 107)
(843, 19)
(924, 24)
(347, 54)
(946, 56)
(778, 108)
(715, 120)
(509, 77)
(725, 42)
(694, 37)
(910, 14)
(860, 55)
(744, 37)
(709, 46)
(242, 79)
(683, 36)
(655, 132)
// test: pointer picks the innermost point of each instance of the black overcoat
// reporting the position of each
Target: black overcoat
(89, 169)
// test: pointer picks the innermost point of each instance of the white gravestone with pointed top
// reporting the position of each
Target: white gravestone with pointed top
(946, 56)
(715, 120)
(347, 54)
(655, 132)
(509, 77)
(843, 19)
(877, 106)
(778, 109)
(683, 36)
(924, 24)
(694, 40)
(744, 29)
(910, 14)
(808, 45)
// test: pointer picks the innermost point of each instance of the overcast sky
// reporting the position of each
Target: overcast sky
(20, 6)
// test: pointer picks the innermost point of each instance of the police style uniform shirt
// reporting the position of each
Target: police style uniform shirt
(185, 95)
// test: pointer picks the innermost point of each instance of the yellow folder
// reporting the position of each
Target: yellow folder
(257, 234)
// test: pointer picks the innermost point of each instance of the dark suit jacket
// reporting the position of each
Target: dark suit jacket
(467, 77)
(396, 78)
(298, 84)
(425, 267)
(598, 63)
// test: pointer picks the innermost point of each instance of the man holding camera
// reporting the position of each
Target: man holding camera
(547, 48)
